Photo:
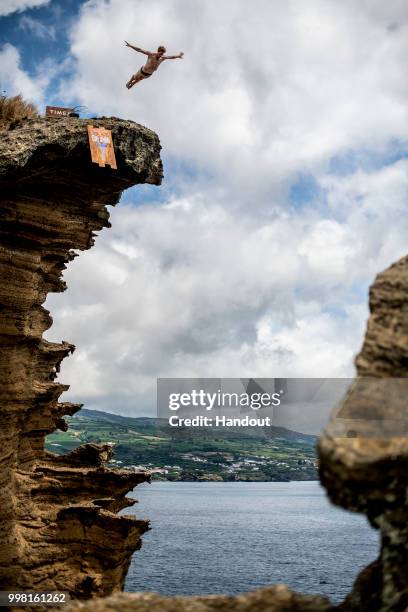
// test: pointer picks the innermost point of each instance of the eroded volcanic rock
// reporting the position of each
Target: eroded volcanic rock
(59, 525)
(368, 472)
(271, 599)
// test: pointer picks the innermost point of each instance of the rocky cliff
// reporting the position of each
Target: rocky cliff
(59, 526)
(364, 451)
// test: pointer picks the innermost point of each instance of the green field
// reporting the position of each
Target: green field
(251, 454)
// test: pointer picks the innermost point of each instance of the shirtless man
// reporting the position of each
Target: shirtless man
(153, 62)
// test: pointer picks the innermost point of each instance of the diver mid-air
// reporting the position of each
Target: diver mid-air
(154, 59)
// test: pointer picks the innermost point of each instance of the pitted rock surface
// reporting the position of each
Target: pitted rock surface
(59, 526)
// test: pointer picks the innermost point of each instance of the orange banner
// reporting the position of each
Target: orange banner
(101, 145)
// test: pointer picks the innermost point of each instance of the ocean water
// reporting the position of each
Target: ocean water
(215, 537)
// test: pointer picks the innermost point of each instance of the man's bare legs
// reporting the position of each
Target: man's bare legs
(135, 78)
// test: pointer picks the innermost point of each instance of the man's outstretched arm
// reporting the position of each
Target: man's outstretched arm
(137, 48)
(179, 56)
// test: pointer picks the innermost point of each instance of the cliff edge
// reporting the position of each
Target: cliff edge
(55, 512)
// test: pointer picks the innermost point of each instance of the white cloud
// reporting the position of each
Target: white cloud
(14, 80)
(329, 249)
(230, 277)
(187, 289)
(12, 6)
(374, 203)
(260, 93)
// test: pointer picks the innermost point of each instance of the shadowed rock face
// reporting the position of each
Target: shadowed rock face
(369, 473)
(59, 527)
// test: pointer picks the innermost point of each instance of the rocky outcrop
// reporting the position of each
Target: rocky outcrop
(272, 599)
(59, 526)
(368, 472)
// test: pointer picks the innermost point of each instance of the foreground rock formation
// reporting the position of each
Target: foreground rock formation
(272, 599)
(367, 472)
(59, 526)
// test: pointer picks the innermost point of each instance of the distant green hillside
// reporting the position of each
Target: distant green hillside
(271, 454)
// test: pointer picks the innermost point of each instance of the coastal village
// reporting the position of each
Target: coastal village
(141, 444)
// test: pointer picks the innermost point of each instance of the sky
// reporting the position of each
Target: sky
(285, 141)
